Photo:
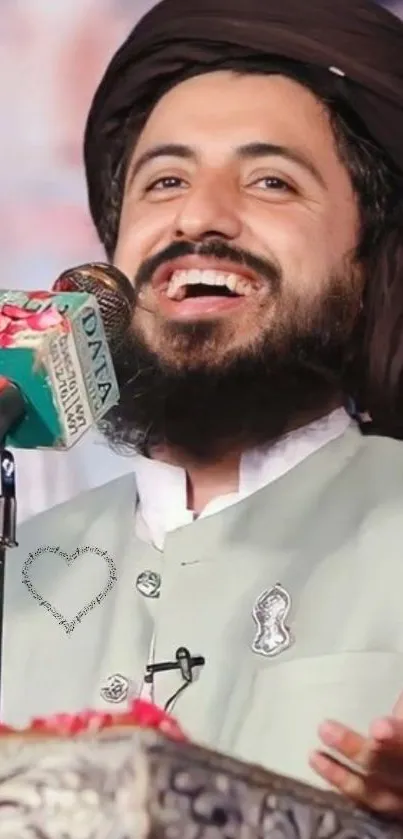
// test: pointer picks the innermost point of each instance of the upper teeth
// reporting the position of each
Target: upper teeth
(180, 279)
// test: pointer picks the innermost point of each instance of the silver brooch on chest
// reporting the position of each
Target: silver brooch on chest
(270, 614)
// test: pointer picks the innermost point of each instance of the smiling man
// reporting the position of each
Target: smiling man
(243, 244)
(244, 165)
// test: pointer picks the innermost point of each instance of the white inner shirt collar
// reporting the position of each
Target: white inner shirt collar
(162, 488)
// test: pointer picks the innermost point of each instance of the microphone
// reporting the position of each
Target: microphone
(56, 371)
(183, 662)
(12, 406)
(114, 293)
(186, 662)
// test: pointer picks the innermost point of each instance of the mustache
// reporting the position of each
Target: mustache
(269, 271)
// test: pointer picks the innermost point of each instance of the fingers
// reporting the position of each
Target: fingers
(389, 732)
(376, 778)
(344, 740)
(366, 790)
(381, 754)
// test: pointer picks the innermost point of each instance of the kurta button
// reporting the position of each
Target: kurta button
(148, 583)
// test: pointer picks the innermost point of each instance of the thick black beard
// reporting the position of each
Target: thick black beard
(251, 400)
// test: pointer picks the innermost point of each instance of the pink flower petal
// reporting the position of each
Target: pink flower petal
(45, 320)
(4, 322)
(14, 312)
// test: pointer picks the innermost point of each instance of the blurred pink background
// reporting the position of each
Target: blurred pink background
(52, 55)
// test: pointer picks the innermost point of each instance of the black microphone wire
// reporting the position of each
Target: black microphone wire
(185, 663)
(171, 702)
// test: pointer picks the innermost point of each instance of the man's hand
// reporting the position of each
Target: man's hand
(376, 781)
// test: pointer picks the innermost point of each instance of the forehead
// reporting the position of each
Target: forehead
(221, 108)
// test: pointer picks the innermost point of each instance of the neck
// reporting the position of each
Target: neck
(208, 480)
(205, 481)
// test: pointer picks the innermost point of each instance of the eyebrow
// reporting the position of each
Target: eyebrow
(250, 151)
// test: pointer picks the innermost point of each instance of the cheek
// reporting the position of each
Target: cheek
(301, 246)
(142, 232)
(308, 246)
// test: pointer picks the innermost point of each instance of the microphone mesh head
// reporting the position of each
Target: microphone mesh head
(114, 293)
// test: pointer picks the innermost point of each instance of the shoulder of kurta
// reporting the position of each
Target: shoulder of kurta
(67, 521)
(378, 469)
(376, 487)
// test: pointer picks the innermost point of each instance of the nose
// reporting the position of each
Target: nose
(208, 208)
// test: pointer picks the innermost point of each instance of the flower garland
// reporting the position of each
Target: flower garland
(140, 713)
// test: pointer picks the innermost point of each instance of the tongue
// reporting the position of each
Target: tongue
(202, 290)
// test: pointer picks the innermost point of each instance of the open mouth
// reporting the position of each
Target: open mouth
(193, 283)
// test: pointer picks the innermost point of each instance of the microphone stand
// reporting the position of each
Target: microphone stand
(12, 410)
(8, 518)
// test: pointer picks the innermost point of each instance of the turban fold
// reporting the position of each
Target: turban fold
(359, 40)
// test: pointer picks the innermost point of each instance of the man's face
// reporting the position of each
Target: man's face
(248, 162)
(238, 229)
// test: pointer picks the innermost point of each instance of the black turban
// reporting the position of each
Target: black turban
(356, 38)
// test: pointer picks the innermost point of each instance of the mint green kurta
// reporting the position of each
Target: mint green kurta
(330, 531)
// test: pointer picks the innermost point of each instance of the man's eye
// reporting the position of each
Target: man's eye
(274, 183)
(164, 183)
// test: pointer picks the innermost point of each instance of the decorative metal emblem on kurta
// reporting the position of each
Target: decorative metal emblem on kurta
(270, 613)
(148, 583)
(115, 689)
